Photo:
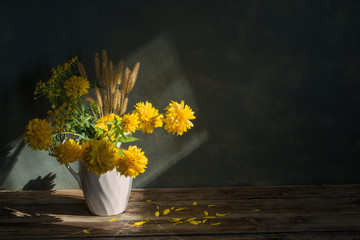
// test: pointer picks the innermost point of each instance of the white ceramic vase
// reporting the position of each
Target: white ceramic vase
(105, 194)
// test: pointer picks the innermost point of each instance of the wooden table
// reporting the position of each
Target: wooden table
(290, 212)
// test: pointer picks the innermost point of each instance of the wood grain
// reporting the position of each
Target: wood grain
(288, 212)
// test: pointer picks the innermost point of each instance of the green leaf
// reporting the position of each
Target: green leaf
(127, 139)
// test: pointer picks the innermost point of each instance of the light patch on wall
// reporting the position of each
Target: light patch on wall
(161, 80)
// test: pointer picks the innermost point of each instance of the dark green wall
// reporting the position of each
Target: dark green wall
(274, 84)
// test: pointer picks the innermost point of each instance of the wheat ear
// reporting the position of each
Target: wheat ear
(97, 65)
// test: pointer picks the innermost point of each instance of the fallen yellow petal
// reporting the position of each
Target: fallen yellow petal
(208, 217)
(172, 208)
(194, 203)
(256, 210)
(214, 224)
(120, 232)
(141, 222)
(195, 222)
(86, 231)
(114, 219)
(221, 214)
(179, 209)
(147, 211)
(211, 205)
(157, 213)
(175, 219)
(166, 211)
(191, 219)
(157, 207)
(204, 221)
(206, 213)
(148, 201)
(178, 222)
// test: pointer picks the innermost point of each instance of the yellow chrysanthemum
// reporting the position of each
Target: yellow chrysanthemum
(38, 134)
(99, 155)
(130, 122)
(68, 152)
(101, 122)
(148, 116)
(133, 163)
(177, 118)
(76, 87)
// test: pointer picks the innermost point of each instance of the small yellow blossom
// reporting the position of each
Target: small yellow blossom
(38, 134)
(166, 211)
(99, 155)
(68, 152)
(132, 163)
(130, 122)
(157, 213)
(102, 123)
(76, 87)
(148, 116)
(177, 118)
(194, 203)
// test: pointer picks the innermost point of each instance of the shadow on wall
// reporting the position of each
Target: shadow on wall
(16, 108)
(45, 183)
(8, 158)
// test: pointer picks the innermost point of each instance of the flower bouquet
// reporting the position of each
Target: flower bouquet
(88, 120)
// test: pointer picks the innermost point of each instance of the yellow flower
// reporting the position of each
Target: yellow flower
(177, 118)
(130, 122)
(133, 163)
(101, 123)
(68, 152)
(99, 155)
(38, 134)
(76, 87)
(149, 117)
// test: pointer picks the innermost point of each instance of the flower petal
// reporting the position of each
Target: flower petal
(166, 211)
(195, 222)
(157, 213)
(214, 224)
(179, 209)
(221, 214)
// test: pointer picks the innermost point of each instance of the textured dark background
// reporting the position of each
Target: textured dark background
(274, 84)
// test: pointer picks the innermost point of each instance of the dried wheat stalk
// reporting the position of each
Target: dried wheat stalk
(117, 85)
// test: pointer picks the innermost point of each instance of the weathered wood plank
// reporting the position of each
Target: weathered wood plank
(269, 212)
